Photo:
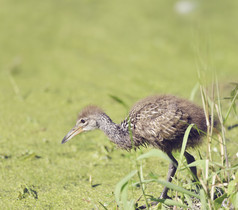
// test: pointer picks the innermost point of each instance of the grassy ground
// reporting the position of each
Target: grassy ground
(58, 56)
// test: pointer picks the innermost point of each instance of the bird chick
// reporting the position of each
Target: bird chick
(159, 121)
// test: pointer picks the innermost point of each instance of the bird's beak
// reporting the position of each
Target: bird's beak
(75, 131)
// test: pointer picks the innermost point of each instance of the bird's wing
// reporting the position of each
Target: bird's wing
(156, 122)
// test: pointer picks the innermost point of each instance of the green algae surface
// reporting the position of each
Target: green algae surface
(58, 56)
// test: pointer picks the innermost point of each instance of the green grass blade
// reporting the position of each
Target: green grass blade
(219, 200)
(234, 200)
(118, 100)
(230, 108)
(124, 196)
(124, 199)
(173, 186)
(189, 200)
(194, 91)
(104, 207)
(121, 184)
(200, 163)
(203, 199)
(185, 140)
(154, 153)
(177, 188)
(170, 202)
(130, 205)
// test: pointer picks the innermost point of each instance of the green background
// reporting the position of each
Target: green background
(57, 56)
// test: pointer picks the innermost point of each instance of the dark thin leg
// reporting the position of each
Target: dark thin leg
(193, 169)
(191, 159)
(172, 170)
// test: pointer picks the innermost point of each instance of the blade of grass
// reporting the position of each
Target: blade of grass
(219, 200)
(124, 198)
(200, 163)
(230, 108)
(213, 186)
(173, 186)
(189, 200)
(203, 199)
(154, 153)
(103, 205)
(170, 202)
(177, 188)
(185, 139)
(193, 92)
(121, 184)
(118, 100)
(141, 179)
(223, 138)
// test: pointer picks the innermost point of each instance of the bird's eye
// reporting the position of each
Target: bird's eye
(82, 121)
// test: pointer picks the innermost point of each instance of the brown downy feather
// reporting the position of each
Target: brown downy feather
(90, 110)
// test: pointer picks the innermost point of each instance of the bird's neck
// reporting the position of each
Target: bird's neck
(117, 133)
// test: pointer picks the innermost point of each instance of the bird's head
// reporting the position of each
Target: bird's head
(87, 120)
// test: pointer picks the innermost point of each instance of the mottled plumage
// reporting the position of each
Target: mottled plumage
(159, 121)
(162, 120)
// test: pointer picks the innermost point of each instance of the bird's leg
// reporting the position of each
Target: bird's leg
(193, 169)
(191, 159)
(172, 170)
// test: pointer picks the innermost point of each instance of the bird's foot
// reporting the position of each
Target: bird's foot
(164, 196)
(149, 205)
